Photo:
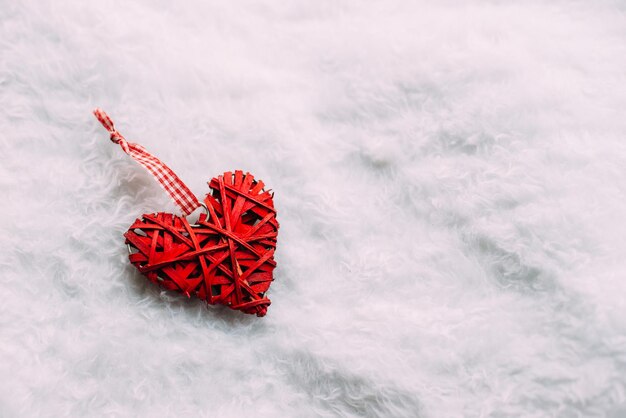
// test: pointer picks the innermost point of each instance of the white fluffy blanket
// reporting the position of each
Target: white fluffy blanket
(451, 185)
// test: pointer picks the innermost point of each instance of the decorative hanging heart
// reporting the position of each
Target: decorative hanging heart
(227, 257)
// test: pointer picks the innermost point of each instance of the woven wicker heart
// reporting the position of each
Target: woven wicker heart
(227, 257)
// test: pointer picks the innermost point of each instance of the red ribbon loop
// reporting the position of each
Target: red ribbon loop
(173, 185)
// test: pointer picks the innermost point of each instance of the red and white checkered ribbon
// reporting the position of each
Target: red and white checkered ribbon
(182, 196)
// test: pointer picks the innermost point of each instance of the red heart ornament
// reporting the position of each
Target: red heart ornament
(227, 257)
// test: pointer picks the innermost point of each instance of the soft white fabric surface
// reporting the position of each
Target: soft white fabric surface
(451, 186)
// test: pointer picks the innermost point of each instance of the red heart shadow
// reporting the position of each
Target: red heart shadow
(227, 257)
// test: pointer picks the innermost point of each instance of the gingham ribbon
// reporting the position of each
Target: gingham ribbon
(182, 196)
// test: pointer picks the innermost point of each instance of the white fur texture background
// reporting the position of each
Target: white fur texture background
(451, 185)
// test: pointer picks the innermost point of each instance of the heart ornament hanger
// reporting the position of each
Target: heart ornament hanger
(226, 257)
